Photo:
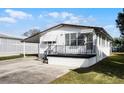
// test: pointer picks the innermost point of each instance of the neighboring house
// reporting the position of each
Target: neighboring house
(10, 45)
(73, 45)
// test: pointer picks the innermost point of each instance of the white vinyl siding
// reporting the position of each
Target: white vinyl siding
(103, 47)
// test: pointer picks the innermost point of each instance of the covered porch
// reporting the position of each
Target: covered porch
(76, 44)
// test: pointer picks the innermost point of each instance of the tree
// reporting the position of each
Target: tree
(120, 22)
(31, 32)
(118, 44)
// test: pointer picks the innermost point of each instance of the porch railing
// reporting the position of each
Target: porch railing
(88, 48)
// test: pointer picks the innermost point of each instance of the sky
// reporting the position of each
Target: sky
(16, 21)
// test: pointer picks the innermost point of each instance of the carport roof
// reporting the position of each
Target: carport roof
(9, 37)
(35, 38)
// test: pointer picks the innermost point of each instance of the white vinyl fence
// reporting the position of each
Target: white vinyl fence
(10, 47)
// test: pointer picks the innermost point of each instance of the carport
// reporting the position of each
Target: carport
(32, 39)
(36, 38)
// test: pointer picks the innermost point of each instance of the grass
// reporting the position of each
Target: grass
(15, 56)
(10, 57)
(109, 71)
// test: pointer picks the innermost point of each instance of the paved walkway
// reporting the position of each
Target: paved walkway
(29, 71)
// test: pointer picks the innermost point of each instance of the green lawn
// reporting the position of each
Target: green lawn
(108, 71)
(15, 56)
(10, 57)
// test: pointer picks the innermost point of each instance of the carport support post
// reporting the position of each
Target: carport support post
(38, 50)
(24, 49)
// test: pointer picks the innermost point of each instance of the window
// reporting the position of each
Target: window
(80, 36)
(80, 39)
(67, 39)
(99, 40)
(73, 42)
(106, 42)
(89, 41)
(103, 41)
(89, 38)
(74, 39)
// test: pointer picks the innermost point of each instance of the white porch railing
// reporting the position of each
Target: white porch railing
(63, 49)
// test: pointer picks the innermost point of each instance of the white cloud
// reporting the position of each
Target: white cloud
(54, 14)
(17, 14)
(68, 17)
(66, 14)
(60, 14)
(13, 16)
(7, 20)
(73, 20)
(35, 27)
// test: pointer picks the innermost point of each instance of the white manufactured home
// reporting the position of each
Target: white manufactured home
(10, 45)
(72, 45)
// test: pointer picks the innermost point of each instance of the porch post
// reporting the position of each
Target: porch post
(94, 42)
(24, 49)
(85, 46)
(38, 50)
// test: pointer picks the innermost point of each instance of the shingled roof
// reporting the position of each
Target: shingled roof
(97, 29)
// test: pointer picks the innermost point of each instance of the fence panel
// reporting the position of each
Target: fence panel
(10, 47)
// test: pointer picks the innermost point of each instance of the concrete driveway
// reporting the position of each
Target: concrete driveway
(29, 71)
